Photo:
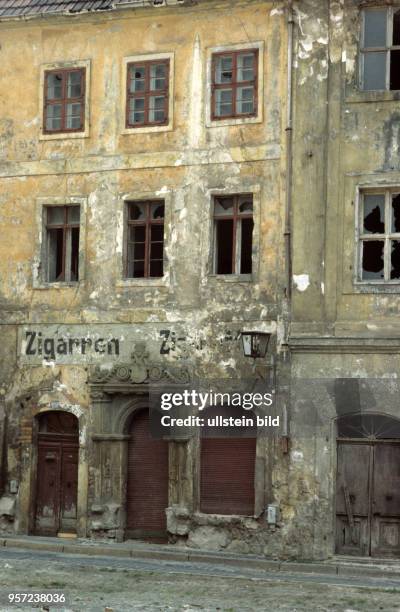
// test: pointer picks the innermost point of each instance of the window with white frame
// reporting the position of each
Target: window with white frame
(62, 224)
(380, 48)
(379, 236)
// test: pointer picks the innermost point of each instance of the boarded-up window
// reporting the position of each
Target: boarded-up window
(380, 49)
(227, 475)
(62, 254)
(233, 234)
(379, 236)
(64, 100)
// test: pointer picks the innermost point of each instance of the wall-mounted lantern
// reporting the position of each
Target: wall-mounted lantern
(255, 344)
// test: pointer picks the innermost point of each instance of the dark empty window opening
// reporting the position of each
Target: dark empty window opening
(62, 228)
(380, 236)
(380, 49)
(147, 93)
(234, 84)
(233, 234)
(145, 239)
(64, 100)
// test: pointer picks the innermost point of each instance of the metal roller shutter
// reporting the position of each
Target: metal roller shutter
(147, 491)
(227, 475)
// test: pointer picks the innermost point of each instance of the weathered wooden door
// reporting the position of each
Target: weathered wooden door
(57, 478)
(147, 490)
(368, 498)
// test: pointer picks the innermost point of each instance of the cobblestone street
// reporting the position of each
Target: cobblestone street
(98, 583)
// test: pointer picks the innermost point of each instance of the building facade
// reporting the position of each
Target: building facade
(143, 172)
(165, 189)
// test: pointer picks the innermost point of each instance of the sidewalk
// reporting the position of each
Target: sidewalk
(340, 566)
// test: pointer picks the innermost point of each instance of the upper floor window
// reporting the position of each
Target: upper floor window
(145, 239)
(380, 49)
(62, 246)
(234, 84)
(233, 234)
(64, 100)
(147, 93)
(379, 236)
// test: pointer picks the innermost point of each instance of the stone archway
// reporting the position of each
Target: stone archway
(367, 485)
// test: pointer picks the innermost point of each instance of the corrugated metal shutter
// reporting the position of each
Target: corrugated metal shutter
(147, 494)
(227, 475)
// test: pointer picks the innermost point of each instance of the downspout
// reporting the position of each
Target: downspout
(289, 148)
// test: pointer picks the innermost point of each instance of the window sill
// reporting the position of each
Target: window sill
(376, 287)
(357, 96)
(142, 282)
(232, 278)
(64, 135)
(58, 285)
(211, 123)
(147, 128)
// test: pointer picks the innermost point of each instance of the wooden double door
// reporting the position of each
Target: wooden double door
(57, 484)
(368, 498)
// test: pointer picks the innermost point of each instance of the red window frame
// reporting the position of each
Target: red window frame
(147, 223)
(236, 217)
(234, 84)
(65, 226)
(64, 100)
(146, 93)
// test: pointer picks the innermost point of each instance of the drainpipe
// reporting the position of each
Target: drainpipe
(289, 147)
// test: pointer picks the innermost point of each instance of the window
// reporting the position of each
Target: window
(62, 230)
(64, 100)
(147, 93)
(145, 239)
(233, 234)
(379, 236)
(234, 84)
(380, 49)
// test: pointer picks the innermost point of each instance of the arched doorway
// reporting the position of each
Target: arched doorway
(368, 485)
(147, 490)
(57, 473)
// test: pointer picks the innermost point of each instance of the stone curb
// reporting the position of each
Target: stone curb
(333, 569)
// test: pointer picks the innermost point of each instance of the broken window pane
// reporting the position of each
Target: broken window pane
(246, 204)
(145, 248)
(55, 254)
(374, 213)
(223, 206)
(396, 28)
(224, 69)
(54, 86)
(395, 259)
(395, 69)
(224, 246)
(372, 260)
(374, 70)
(246, 246)
(62, 243)
(137, 76)
(375, 28)
(74, 266)
(396, 213)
